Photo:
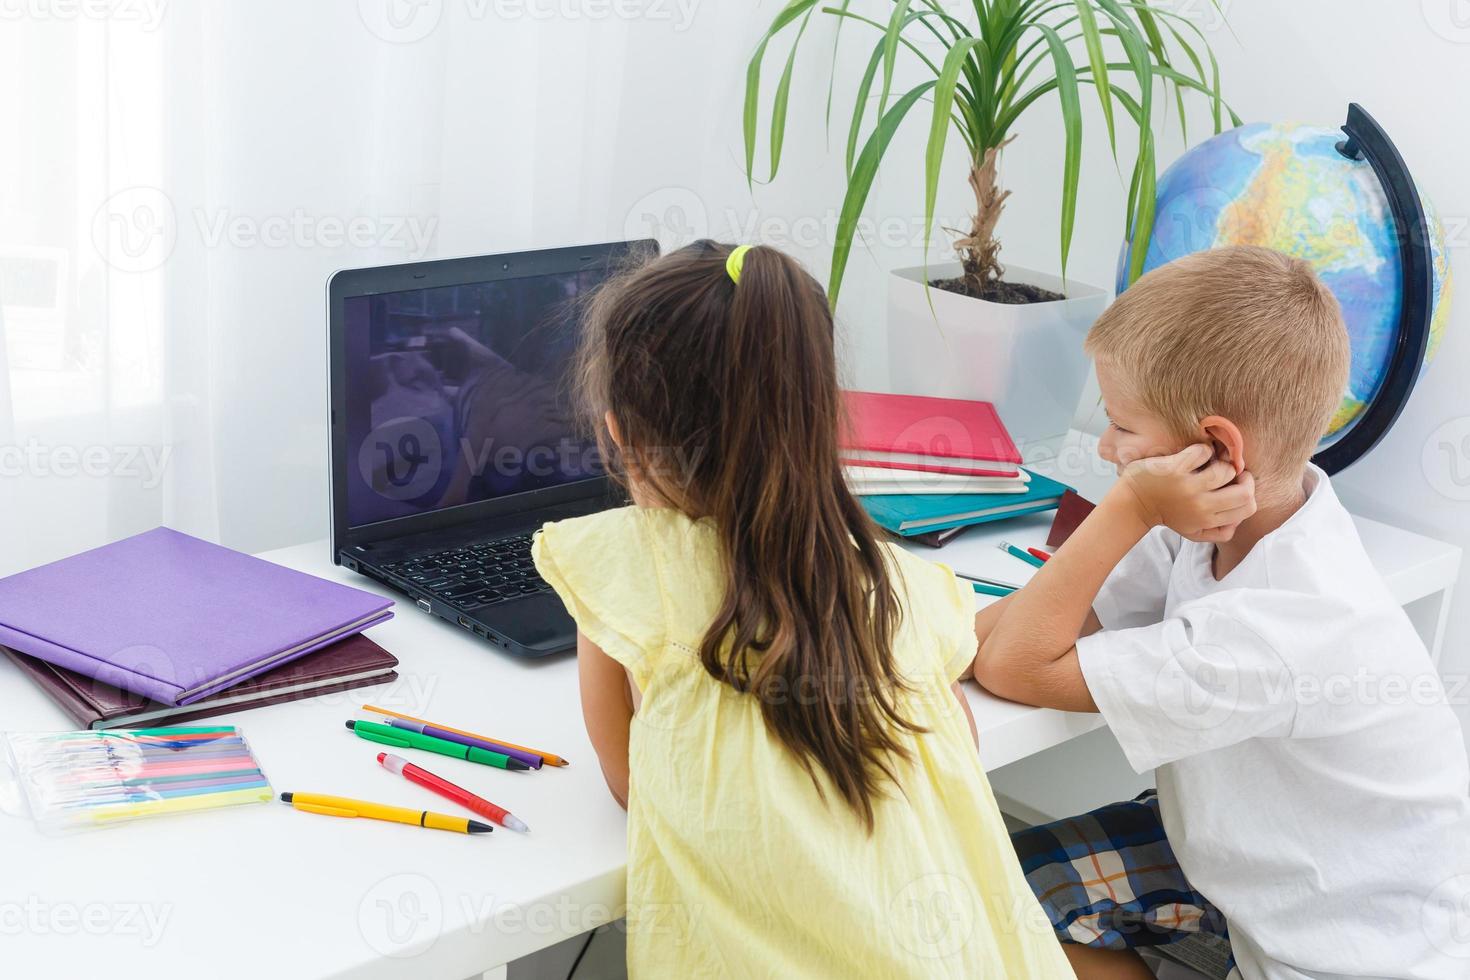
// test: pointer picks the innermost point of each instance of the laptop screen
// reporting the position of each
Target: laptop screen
(460, 394)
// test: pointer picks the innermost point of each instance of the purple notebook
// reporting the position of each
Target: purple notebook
(174, 618)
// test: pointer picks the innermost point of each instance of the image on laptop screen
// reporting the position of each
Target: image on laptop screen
(460, 394)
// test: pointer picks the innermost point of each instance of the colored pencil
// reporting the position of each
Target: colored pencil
(551, 758)
(529, 758)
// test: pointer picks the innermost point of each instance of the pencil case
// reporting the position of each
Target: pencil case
(74, 781)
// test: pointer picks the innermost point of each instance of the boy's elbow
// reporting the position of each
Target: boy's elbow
(1007, 669)
(993, 670)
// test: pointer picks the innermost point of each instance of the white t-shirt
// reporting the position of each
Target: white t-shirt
(1312, 778)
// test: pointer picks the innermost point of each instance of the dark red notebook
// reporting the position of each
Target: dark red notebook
(1071, 512)
(351, 663)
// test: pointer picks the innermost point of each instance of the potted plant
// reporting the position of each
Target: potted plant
(972, 328)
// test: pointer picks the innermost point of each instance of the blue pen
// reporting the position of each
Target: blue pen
(1020, 553)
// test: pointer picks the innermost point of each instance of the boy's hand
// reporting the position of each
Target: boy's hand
(1200, 497)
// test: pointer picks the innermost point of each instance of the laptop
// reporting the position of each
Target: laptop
(453, 436)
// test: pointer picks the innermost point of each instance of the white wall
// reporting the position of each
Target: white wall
(1409, 65)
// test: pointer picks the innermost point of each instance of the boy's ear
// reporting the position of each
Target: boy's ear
(1225, 436)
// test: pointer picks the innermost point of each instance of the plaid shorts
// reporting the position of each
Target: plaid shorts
(1109, 879)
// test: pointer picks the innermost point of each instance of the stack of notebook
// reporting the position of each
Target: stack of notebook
(926, 468)
(165, 626)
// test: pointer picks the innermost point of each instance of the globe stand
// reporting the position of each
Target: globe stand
(1366, 140)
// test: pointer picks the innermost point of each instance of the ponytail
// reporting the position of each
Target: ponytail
(739, 379)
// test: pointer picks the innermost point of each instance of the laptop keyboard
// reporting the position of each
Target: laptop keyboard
(476, 574)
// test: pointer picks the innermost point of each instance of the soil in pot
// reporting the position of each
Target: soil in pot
(1000, 291)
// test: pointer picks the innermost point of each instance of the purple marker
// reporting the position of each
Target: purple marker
(529, 758)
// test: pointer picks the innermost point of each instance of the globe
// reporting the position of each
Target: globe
(1288, 188)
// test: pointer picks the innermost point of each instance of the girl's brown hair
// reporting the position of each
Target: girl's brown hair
(728, 408)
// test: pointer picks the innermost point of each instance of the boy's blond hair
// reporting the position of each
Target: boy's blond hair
(1243, 332)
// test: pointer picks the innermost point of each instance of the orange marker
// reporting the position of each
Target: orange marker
(549, 758)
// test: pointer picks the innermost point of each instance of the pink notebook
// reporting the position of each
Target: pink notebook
(174, 618)
(935, 435)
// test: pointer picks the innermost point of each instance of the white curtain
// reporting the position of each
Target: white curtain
(181, 177)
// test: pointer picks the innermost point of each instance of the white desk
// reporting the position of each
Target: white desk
(266, 891)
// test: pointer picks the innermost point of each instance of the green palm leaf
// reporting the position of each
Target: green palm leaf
(1066, 80)
(861, 182)
(793, 10)
(783, 98)
(1088, 19)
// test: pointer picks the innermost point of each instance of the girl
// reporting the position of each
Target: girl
(771, 691)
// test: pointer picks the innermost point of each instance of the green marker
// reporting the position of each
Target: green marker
(399, 738)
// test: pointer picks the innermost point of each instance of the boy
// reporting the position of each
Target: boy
(1218, 609)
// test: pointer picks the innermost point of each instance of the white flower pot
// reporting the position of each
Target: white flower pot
(1025, 359)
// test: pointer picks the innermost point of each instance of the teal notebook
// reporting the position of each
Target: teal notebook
(909, 514)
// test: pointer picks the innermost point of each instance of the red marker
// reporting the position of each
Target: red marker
(412, 773)
(1043, 555)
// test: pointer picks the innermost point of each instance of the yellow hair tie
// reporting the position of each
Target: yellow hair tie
(736, 262)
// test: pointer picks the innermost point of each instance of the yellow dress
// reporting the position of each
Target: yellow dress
(736, 865)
